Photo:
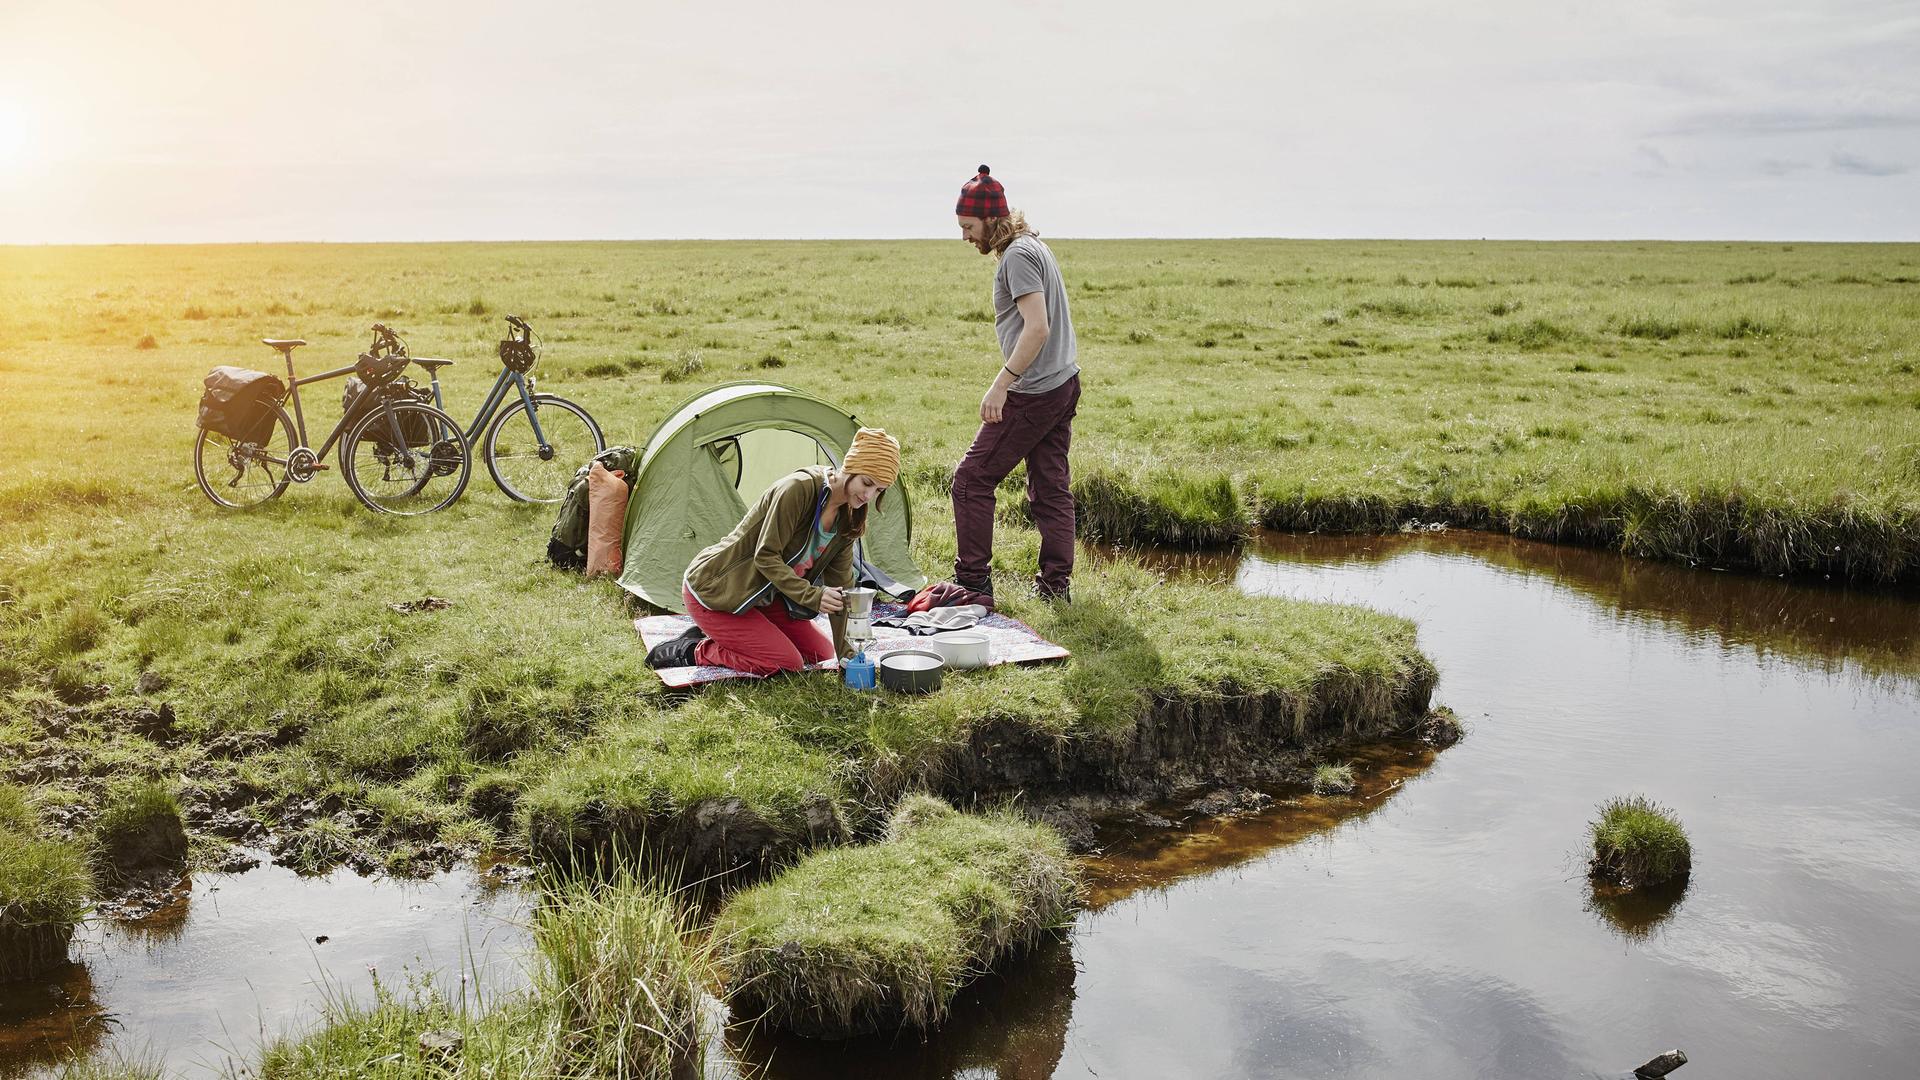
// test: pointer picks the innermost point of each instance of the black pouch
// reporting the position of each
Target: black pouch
(238, 403)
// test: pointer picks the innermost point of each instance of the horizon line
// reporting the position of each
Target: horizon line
(9, 244)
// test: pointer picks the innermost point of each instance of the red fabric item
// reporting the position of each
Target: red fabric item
(758, 641)
(948, 594)
(982, 197)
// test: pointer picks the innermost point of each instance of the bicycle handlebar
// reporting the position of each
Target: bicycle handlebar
(385, 338)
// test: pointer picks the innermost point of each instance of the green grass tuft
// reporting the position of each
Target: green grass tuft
(43, 888)
(1638, 842)
(616, 992)
(685, 365)
(1162, 507)
(878, 937)
(138, 829)
(1531, 335)
(711, 787)
(1333, 780)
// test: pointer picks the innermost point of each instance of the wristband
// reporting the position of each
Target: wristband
(1010, 371)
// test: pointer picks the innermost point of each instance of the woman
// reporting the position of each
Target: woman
(753, 596)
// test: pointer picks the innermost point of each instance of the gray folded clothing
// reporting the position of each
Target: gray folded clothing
(936, 620)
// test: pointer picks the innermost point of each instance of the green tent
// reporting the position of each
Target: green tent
(715, 455)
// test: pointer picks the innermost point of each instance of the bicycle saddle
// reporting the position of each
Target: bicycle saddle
(283, 344)
(431, 362)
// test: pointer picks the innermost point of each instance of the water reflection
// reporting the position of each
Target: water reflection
(1636, 914)
(1134, 858)
(48, 1018)
(1012, 1025)
(239, 960)
(1833, 627)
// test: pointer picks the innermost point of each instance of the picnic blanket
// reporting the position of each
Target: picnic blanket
(1009, 641)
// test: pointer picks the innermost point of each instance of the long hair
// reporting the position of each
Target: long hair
(857, 519)
(1005, 230)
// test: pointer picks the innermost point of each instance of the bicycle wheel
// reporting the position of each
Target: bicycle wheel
(237, 474)
(524, 469)
(406, 458)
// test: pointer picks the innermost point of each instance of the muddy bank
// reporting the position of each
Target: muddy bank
(726, 840)
(1716, 529)
(1184, 741)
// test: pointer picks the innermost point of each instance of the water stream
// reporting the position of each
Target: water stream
(1437, 923)
(245, 958)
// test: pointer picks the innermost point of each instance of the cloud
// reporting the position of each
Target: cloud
(1779, 167)
(1652, 161)
(1751, 122)
(1854, 165)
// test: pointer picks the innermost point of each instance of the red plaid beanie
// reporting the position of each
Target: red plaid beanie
(982, 197)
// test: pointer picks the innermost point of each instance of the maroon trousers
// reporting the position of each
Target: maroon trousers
(1037, 429)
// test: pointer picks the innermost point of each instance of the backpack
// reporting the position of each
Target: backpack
(567, 548)
(236, 403)
(414, 427)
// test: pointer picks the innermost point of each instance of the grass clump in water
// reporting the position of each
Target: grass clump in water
(139, 831)
(43, 889)
(618, 987)
(881, 937)
(1333, 780)
(616, 992)
(1638, 842)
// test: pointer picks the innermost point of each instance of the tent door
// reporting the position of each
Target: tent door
(755, 459)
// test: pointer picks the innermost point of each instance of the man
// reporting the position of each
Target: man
(1027, 414)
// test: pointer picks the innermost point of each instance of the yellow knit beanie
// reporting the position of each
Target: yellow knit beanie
(874, 453)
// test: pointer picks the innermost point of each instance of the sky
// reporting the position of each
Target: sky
(198, 121)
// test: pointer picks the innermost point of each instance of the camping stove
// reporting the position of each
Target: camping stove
(859, 618)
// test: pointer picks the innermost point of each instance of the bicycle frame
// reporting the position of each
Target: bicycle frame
(294, 383)
(506, 382)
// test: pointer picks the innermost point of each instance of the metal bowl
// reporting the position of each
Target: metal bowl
(911, 671)
(962, 649)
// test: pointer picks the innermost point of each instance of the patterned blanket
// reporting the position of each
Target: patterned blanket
(1009, 641)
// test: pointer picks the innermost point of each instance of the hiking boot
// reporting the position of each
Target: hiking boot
(984, 585)
(1061, 595)
(677, 652)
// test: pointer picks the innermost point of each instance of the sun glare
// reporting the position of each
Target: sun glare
(14, 136)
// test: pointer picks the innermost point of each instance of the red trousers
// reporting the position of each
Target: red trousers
(758, 641)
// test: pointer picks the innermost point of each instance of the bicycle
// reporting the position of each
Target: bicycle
(533, 447)
(395, 445)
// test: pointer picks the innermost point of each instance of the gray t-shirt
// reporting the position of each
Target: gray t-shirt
(1028, 267)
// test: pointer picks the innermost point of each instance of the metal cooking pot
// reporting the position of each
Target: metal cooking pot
(911, 671)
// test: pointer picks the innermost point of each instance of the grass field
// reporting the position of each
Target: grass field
(1742, 405)
(1731, 404)
(303, 703)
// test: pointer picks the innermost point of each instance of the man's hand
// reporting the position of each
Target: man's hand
(994, 404)
(832, 600)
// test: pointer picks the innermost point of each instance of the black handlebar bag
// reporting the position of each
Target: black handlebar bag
(238, 403)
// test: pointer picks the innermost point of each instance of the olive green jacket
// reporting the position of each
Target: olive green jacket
(753, 565)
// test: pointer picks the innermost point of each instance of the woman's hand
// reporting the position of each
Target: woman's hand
(832, 600)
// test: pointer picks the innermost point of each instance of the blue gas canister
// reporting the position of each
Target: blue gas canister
(858, 672)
